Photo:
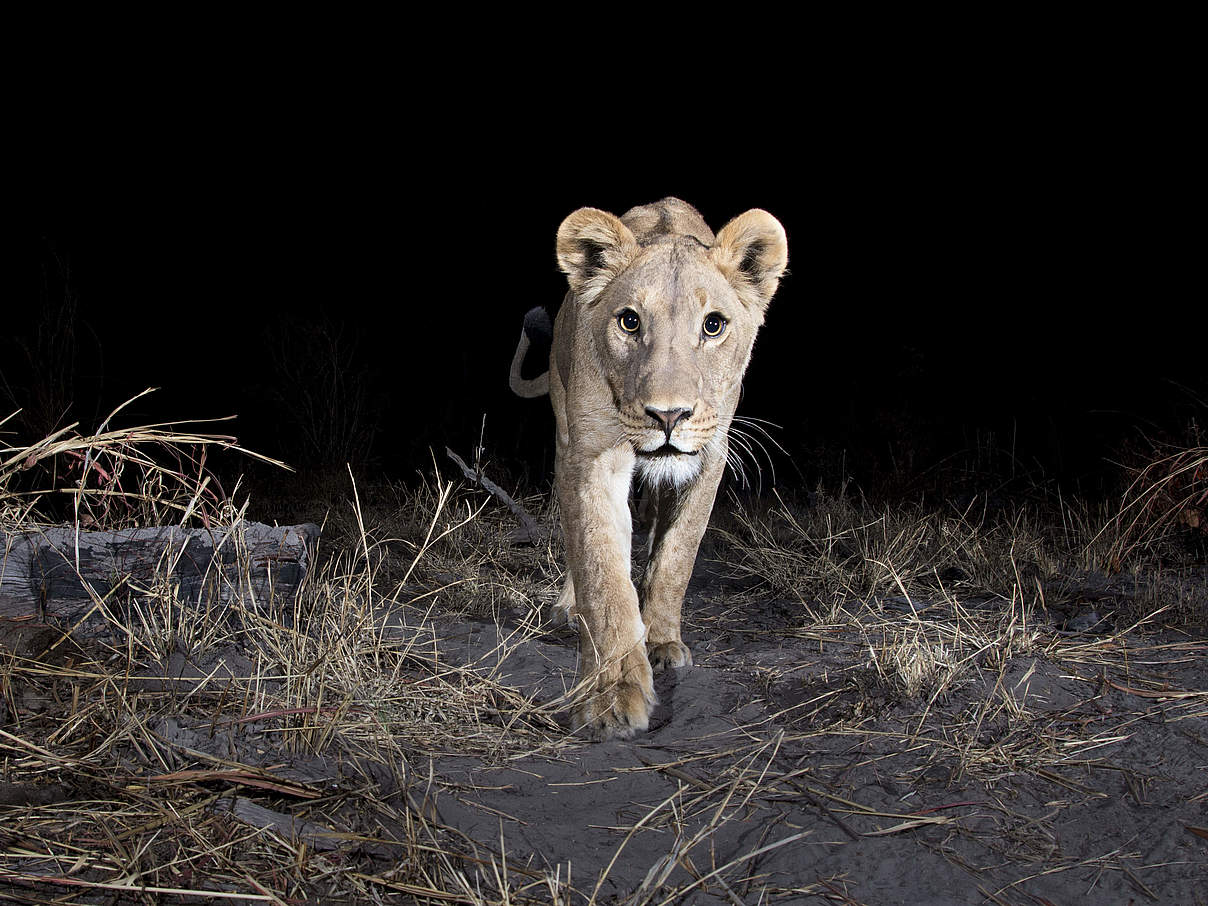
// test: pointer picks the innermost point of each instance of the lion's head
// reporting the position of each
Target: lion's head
(671, 313)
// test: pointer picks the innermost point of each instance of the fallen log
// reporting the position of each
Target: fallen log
(54, 578)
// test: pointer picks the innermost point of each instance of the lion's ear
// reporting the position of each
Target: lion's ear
(593, 247)
(752, 252)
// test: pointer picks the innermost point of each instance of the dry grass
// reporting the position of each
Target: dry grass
(833, 552)
(1167, 496)
(927, 603)
(116, 477)
(283, 751)
(196, 752)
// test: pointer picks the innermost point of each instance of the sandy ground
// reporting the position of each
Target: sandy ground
(788, 765)
(782, 768)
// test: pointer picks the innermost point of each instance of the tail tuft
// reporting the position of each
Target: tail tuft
(537, 325)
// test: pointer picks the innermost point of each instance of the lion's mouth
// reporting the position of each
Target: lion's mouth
(667, 450)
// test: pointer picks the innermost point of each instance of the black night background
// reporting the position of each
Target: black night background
(1013, 283)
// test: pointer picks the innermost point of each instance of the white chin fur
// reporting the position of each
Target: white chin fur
(668, 471)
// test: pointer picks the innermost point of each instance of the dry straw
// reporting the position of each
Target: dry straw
(278, 751)
(128, 777)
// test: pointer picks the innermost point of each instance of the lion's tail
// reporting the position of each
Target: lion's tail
(536, 328)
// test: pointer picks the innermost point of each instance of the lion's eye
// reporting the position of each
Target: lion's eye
(715, 325)
(629, 321)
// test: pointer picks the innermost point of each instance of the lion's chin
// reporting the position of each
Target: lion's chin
(667, 468)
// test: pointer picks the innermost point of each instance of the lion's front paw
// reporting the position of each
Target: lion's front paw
(621, 704)
(562, 611)
(558, 614)
(669, 654)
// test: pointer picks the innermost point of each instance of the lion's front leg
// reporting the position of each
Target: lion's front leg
(619, 686)
(680, 523)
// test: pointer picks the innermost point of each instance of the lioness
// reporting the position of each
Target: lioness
(649, 350)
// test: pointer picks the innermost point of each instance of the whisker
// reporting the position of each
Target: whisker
(734, 461)
(734, 458)
(744, 442)
(754, 438)
(757, 424)
(749, 443)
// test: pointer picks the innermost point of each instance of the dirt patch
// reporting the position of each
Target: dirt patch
(785, 766)
(909, 751)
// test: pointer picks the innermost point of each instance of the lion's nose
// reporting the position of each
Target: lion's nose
(668, 418)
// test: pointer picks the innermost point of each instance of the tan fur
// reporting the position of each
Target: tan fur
(538, 386)
(663, 263)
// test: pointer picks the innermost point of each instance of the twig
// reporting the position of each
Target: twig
(531, 528)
